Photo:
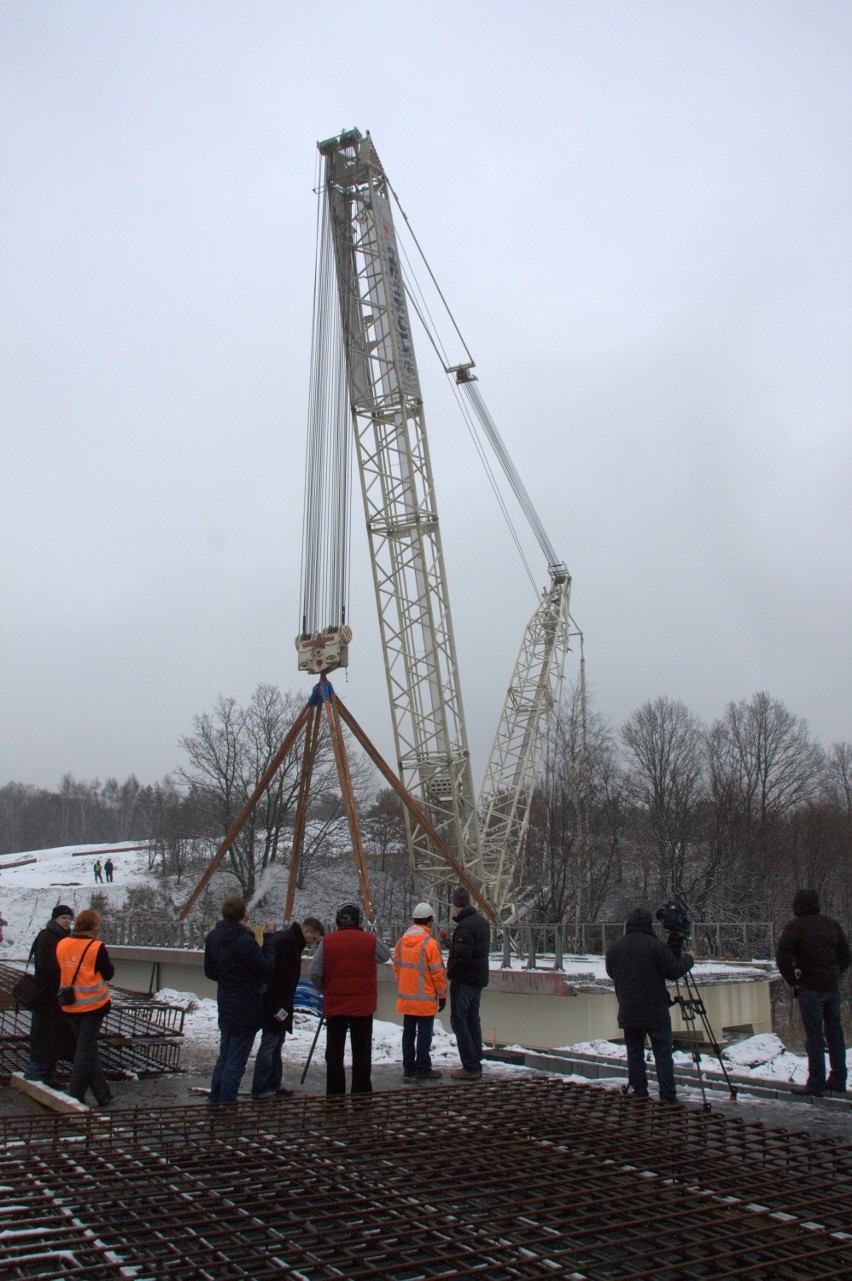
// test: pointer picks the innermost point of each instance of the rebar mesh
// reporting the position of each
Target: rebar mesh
(139, 1038)
(516, 1179)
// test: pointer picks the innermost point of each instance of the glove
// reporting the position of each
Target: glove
(442, 1004)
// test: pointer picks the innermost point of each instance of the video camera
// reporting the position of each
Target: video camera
(678, 925)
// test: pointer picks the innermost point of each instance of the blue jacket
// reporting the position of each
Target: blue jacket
(240, 968)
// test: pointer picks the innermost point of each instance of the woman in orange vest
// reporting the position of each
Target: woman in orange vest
(84, 969)
(422, 988)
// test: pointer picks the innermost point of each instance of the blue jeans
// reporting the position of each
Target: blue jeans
(416, 1043)
(267, 1064)
(234, 1051)
(822, 1010)
(661, 1044)
(464, 1020)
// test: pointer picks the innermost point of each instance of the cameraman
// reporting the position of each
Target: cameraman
(639, 964)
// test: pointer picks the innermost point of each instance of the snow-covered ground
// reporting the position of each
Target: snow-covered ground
(29, 891)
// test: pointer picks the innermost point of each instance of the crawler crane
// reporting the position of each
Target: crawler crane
(360, 275)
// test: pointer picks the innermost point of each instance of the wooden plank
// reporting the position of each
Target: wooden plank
(55, 1100)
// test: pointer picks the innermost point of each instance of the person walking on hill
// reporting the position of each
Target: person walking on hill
(639, 964)
(344, 969)
(85, 969)
(50, 1037)
(108, 870)
(287, 948)
(422, 987)
(812, 953)
(467, 970)
(98, 871)
(241, 969)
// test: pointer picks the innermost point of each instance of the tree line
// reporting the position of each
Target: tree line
(727, 818)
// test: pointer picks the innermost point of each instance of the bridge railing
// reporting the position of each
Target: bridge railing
(531, 945)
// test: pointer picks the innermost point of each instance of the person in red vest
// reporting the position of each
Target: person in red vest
(422, 986)
(344, 969)
(84, 970)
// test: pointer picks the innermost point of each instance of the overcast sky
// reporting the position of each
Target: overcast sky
(640, 214)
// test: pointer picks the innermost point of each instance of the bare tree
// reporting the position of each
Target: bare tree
(764, 766)
(576, 821)
(228, 752)
(666, 783)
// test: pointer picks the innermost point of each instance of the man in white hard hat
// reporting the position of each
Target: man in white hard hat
(422, 992)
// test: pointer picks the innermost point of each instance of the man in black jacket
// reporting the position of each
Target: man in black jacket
(241, 969)
(639, 964)
(287, 946)
(467, 971)
(812, 954)
(50, 1037)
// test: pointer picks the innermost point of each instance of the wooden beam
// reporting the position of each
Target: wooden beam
(53, 1099)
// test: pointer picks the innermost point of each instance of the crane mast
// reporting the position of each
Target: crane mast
(386, 407)
(401, 514)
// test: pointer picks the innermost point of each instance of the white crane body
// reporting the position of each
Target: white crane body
(407, 560)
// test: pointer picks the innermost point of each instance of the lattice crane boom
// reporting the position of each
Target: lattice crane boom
(401, 513)
(398, 490)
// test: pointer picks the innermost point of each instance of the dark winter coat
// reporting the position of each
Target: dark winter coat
(50, 1038)
(813, 944)
(639, 964)
(288, 946)
(241, 969)
(470, 944)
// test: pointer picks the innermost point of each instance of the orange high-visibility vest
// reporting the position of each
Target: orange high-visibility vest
(419, 970)
(90, 988)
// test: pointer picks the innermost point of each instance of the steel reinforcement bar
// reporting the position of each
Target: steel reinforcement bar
(515, 1179)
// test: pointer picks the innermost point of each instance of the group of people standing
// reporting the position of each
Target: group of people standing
(812, 956)
(72, 969)
(256, 983)
(100, 870)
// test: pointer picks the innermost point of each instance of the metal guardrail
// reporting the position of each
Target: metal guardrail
(526, 943)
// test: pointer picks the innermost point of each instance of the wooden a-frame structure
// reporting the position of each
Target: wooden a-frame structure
(308, 723)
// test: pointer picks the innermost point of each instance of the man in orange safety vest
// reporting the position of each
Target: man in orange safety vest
(422, 993)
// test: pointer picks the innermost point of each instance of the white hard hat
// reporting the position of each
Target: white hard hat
(422, 912)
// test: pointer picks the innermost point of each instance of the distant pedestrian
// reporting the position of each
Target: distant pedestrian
(422, 986)
(344, 969)
(467, 970)
(50, 1037)
(288, 946)
(108, 869)
(98, 871)
(241, 970)
(813, 952)
(3, 922)
(85, 968)
(639, 964)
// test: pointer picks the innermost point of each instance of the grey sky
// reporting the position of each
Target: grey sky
(640, 214)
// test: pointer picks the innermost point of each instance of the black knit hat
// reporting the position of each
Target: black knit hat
(806, 903)
(62, 909)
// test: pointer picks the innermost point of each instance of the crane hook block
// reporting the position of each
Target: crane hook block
(324, 651)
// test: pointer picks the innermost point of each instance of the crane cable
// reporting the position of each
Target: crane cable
(477, 403)
(324, 586)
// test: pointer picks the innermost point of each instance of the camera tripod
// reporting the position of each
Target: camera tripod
(692, 1008)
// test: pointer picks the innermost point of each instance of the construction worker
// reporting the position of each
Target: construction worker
(85, 969)
(422, 988)
(344, 969)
